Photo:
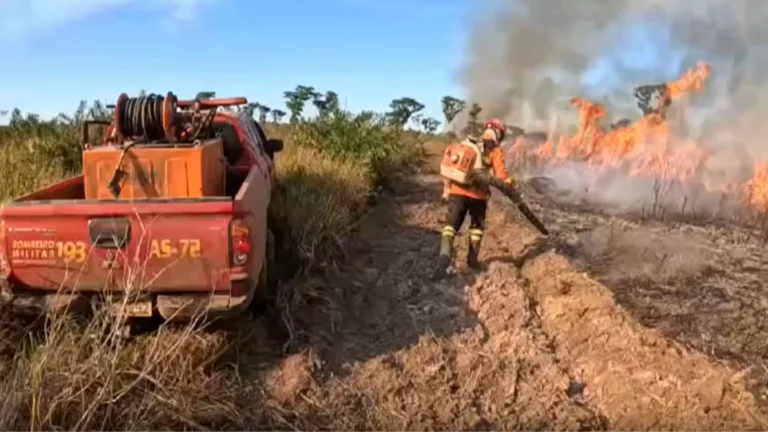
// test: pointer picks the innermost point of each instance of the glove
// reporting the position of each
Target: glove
(510, 181)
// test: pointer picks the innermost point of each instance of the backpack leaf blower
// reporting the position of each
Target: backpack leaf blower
(461, 163)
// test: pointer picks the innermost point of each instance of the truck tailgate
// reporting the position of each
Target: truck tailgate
(154, 245)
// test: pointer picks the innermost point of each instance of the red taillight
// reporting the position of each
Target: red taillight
(241, 246)
(240, 242)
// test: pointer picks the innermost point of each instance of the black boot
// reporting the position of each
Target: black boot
(473, 253)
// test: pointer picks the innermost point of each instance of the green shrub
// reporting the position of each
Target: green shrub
(365, 138)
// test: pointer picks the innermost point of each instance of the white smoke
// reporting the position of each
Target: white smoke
(526, 58)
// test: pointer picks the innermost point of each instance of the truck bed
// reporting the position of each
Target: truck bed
(55, 240)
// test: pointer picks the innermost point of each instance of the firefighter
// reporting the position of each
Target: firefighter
(473, 199)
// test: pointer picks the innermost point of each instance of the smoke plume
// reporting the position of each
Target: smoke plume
(526, 58)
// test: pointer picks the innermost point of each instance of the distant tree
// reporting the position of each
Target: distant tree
(473, 124)
(325, 103)
(296, 99)
(263, 112)
(98, 110)
(142, 93)
(332, 101)
(319, 102)
(294, 104)
(17, 119)
(3, 113)
(430, 124)
(32, 119)
(416, 119)
(402, 109)
(277, 115)
(81, 113)
(451, 107)
(251, 108)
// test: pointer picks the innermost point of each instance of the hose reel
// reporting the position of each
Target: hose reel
(150, 118)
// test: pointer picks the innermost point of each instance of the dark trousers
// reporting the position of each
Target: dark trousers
(458, 207)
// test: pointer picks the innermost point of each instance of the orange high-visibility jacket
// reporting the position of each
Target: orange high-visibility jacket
(492, 161)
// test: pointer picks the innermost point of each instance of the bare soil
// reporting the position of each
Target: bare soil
(703, 285)
(579, 332)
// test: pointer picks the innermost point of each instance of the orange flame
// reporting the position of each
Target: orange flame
(646, 147)
(757, 188)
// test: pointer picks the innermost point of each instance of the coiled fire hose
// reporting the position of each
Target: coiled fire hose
(142, 117)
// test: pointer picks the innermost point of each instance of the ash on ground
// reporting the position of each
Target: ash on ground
(702, 284)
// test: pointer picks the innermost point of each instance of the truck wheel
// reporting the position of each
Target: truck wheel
(286, 261)
(266, 288)
(266, 302)
(271, 278)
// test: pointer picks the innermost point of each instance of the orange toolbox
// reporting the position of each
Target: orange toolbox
(156, 171)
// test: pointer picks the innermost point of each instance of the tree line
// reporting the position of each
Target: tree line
(402, 111)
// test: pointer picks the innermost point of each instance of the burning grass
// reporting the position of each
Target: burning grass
(674, 229)
(647, 167)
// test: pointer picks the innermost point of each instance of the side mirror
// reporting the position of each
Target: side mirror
(274, 145)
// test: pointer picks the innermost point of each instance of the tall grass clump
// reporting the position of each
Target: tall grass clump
(319, 200)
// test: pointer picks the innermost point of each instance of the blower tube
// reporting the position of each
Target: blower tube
(511, 192)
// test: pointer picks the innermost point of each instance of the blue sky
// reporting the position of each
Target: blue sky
(54, 53)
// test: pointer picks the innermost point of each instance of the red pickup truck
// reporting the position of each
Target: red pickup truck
(165, 242)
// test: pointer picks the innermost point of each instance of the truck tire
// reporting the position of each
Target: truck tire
(266, 288)
(271, 278)
(266, 303)
(287, 260)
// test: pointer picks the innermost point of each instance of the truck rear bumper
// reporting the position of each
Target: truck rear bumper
(171, 307)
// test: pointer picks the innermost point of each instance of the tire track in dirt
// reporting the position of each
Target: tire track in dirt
(408, 352)
(527, 344)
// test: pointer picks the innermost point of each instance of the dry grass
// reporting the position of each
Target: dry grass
(85, 378)
(320, 200)
(64, 374)
(31, 162)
